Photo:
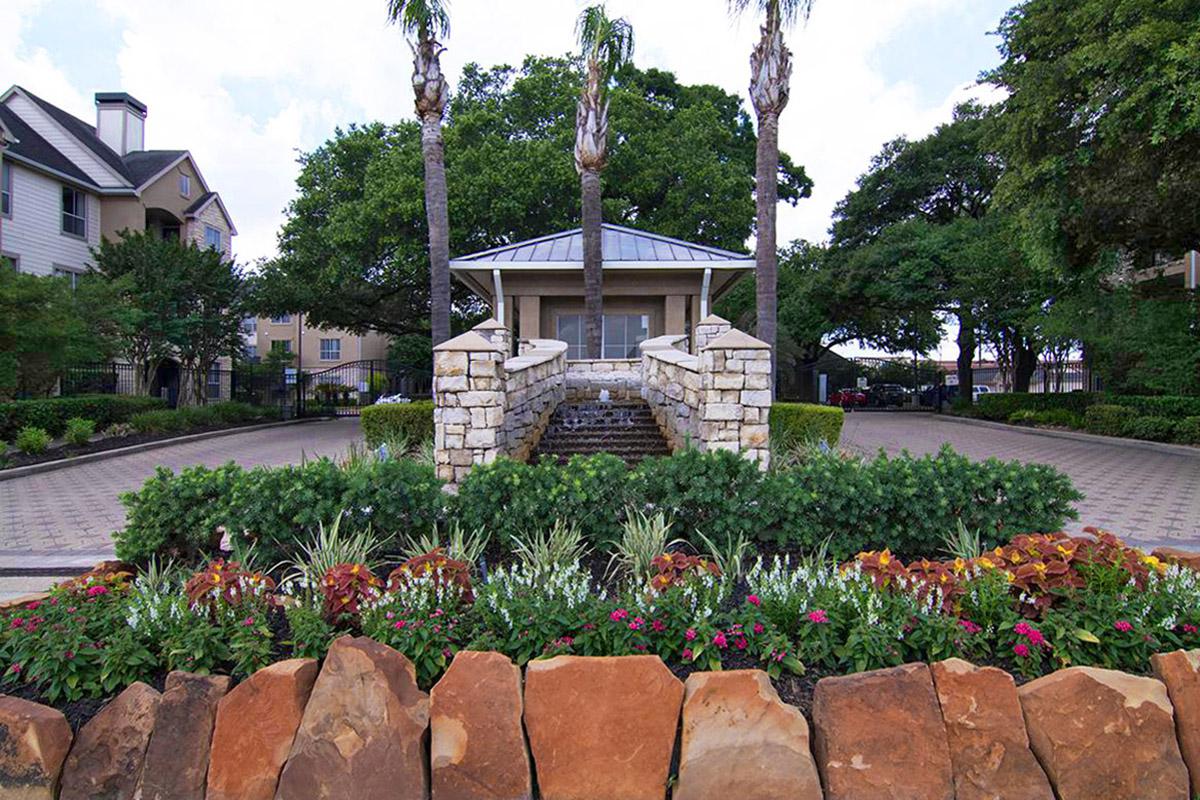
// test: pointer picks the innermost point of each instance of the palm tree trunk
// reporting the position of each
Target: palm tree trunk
(438, 217)
(593, 263)
(966, 357)
(766, 198)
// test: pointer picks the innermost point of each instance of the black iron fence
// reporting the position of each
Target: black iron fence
(345, 389)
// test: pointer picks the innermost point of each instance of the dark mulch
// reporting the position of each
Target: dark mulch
(16, 458)
(77, 712)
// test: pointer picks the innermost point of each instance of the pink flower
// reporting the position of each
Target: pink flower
(390, 615)
(14, 669)
(437, 628)
(640, 647)
(1021, 650)
(690, 634)
(818, 617)
(753, 600)
(1123, 626)
(400, 624)
(97, 590)
(658, 625)
(70, 655)
(741, 643)
(758, 627)
(1188, 628)
(720, 641)
(33, 606)
(1035, 637)
(968, 626)
(687, 656)
(633, 626)
(1022, 628)
(589, 626)
(249, 622)
(618, 615)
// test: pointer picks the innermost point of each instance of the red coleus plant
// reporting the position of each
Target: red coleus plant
(439, 568)
(346, 588)
(675, 569)
(225, 581)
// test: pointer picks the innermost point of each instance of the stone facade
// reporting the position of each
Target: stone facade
(719, 400)
(709, 329)
(621, 377)
(486, 406)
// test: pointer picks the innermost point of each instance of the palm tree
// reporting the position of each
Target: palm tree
(424, 21)
(607, 44)
(770, 79)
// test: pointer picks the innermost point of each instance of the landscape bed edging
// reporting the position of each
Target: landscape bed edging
(606, 728)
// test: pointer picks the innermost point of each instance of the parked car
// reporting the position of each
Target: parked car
(978, 390)
(848, 398)
(883, 395)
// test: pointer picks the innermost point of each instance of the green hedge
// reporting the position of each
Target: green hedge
(51, 414)
(1000, 406)
(1108, 420)
(389, 422)
(180, 420)
(806, 422)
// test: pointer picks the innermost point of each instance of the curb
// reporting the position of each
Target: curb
(50, 466)
(1092, 438)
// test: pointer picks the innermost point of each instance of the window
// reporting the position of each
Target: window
(252, 352)
(623, 333)
(5, 189)
(214, 383)
(331, 349)
(212, 237)
(74, 212)
(570, 330)
(249, 325)
(72, 275)
(185, 185)
(281, 346)
(282, 319)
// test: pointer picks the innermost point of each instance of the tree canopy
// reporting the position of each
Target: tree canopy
(352, 251)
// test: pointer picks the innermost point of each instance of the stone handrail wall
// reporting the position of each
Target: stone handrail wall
(606, 727)
(485, 405)
(534, 386)
(719, 399)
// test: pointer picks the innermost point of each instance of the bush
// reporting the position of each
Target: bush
(720, 493)
(390, 422)
(213, 415)
(1000, 406)
(79, 430)
(1152, 429)
(51, 414)
(177, 516)
(1188, 430)
(1169, 407)
(1058, 417)
(805, 422)
(1108, 420)
(1024, 416)
(31, 441)
(161, 421)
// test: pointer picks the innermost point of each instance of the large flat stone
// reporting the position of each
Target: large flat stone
(106, 760)
(741, 741)
(34, 740)
(602, 728)
(1104, 734)
(1180, 672)
(989, 749)
(364, 732)
(256, 726)
(177, 755)
(879, 735)
(477, 746)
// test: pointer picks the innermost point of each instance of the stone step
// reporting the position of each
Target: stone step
(624, 429)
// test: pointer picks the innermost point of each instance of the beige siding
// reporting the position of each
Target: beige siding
(48, 129)
(372, 346)
(34, 233)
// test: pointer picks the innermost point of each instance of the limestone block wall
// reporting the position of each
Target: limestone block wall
(622, 377)
(718, 400)
(708, 329)
(485, 405)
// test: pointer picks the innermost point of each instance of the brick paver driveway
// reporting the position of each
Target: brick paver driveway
(76, 508)
(1146, 496)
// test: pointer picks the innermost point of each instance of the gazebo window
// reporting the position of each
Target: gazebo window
(623, 333)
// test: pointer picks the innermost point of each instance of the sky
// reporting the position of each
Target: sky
(247, 85)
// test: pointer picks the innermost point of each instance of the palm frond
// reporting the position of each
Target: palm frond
(425, 19)
(605, 42)
(788, 12)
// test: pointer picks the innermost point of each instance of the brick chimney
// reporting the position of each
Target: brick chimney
(121, 121)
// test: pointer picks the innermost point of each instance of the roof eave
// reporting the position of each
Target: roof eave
(471, 264)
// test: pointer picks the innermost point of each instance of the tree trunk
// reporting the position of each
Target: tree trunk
(593, 262)
(438, 217)
(1025, 362)
(766, 198)
(966, 357)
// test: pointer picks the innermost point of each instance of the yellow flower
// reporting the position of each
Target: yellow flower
(885, 558)
(1012, 577)
(667, 557)
(999, 551)
(354, 570)
(1016, 556)
(216, 578)
(985, 562)
(960, 565)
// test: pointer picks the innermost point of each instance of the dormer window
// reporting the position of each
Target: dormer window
(185, 185)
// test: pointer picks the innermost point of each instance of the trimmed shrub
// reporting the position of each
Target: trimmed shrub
(32, 441)
(1152, 429)
(79, 430)
(177, 516)
(1024, 416)
(389, 422)
(1188, 430)
(1169, 407)
(213, 415)
(165, 420)
(1058, 417)
(1108, 420)
(1000, 406)
(508, 497)
(51, 414)
(806, 422)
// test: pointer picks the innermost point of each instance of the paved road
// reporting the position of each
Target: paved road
(1151, 497)
(75, 509)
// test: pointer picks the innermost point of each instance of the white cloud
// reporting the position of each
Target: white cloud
(310, 68)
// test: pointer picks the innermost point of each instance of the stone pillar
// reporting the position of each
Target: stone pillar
(497, 334)
(709, 329)
(469, 401)
(735, 404)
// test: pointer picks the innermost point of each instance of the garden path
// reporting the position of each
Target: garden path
(73, 511)
(1148, 497)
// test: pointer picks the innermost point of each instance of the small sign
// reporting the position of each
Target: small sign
(861, 382)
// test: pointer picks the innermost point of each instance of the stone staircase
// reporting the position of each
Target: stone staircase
(625, 429)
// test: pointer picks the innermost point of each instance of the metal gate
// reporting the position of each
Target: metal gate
(344, 390)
